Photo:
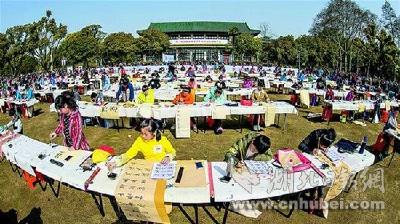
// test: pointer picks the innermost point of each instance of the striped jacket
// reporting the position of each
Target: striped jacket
(75, 128)
(242, 145)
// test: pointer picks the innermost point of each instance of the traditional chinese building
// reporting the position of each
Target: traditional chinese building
(200, 40)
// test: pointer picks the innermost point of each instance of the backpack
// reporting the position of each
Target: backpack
(296, 161)
(289, 158)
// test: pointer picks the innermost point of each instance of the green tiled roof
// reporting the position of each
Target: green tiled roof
(201, 26)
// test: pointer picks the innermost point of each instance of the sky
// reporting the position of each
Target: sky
(284, 17)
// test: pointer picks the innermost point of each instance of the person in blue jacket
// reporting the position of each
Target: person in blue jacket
(106, 82)
(124, 86)
(18, 95)
(29, 92)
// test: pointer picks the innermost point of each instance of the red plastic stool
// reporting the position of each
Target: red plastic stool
(384, 116)
(30, 180)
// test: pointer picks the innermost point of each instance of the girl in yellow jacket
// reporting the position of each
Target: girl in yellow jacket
(150, 143)
(145, 96)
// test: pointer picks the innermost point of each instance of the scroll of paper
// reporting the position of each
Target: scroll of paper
(140, 197)
(109, 112)
(192, 176)
(182, 121)
(270, 111)
(220, 112)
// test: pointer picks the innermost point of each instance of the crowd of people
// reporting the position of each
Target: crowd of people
(24, 87)
(153, 145)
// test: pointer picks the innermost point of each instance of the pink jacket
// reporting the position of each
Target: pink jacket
(75, 127)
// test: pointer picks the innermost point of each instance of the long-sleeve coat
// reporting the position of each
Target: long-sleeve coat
(75, 128)
(311, 141)
(239, 149)
(131, 92)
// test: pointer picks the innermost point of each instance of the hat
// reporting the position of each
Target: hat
(102, 153)
(185, 88)
(145, 88)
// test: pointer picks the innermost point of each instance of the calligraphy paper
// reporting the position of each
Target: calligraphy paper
(182, 121)
(163, 171)
(192, 176)
(140, 197)
(258, 167)
(109, 112)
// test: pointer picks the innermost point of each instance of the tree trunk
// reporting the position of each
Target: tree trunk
(350, 61)
(345, 54)
(340, 60)
(51, 60)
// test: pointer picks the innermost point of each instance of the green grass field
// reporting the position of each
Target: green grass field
(74, 206)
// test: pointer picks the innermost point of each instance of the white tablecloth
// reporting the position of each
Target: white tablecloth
(24, 151)
(197, 110)
(283, 183)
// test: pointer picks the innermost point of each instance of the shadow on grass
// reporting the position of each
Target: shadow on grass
(38, 112)
(11, 217)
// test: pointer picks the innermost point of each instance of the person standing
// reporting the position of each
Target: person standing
(70, 123)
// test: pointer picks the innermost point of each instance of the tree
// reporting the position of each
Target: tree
(4, 45)
(378, 53)
(281, 50)
(391, 22)
(344, 21)
(119, 47)
(82, 46)
(247, 45)
(17, 45)
(233, 33)
(265, 31)
(44, 37)
(388, 55)
(153, 42)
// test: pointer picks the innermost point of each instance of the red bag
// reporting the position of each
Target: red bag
(210, 122)
(245, 102)
(379, 145)
(384, 116)
(295, 160)
(327, 113)
(293, 99)
(290, 158)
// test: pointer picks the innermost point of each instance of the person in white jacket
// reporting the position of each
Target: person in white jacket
(15, 123)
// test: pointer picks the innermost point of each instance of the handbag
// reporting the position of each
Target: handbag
(295, 161)
(245, 102)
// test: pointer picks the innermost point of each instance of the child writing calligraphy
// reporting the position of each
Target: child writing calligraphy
(70, 125)
(150, 143)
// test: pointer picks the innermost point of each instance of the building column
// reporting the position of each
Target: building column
(176, 55)
(205, 56)
(190, 55)
(219, 56)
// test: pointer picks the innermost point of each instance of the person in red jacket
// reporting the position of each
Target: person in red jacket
(185, 97)
(70, 125)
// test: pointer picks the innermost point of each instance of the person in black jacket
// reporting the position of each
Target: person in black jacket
(318, 139)
(155, 81)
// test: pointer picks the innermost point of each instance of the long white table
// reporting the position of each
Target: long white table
(24, 152)
(28, 103)
(162, 111)
(354, 105)
(282, 183)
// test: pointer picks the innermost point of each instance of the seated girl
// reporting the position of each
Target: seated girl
(16, 123)
(150, 143)
(252, 146)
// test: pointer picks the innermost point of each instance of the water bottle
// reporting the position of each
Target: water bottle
(363, 144)
(229, 167)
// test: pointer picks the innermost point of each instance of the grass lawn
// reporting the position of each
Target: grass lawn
(74, 206)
